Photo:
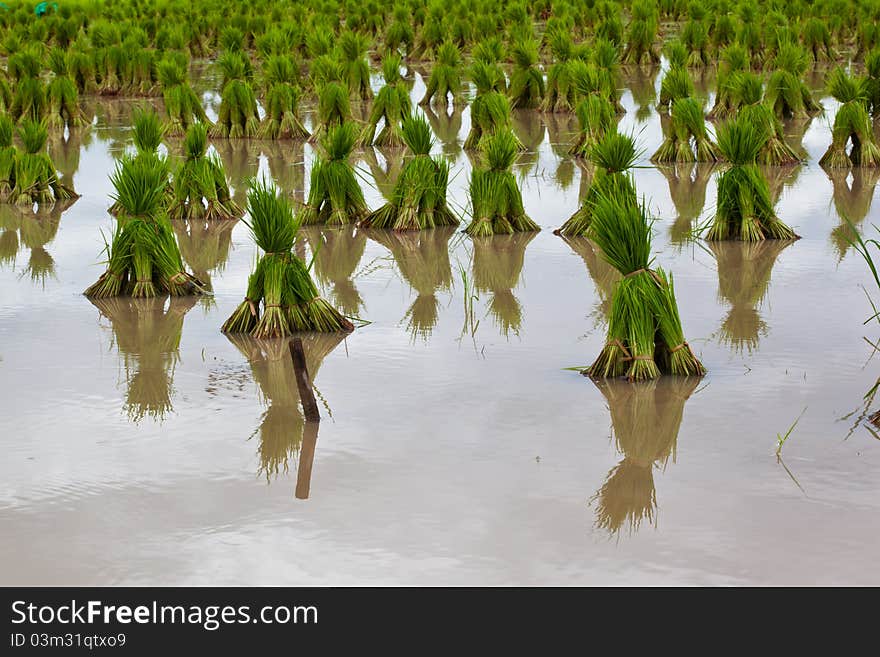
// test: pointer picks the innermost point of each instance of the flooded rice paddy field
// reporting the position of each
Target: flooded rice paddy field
(142, 446)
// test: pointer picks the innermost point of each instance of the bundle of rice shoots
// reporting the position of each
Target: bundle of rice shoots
(182, 104)
(281, 120)
(686, 138)
(391, 106)
(238, 116)
(852, 128)
(8, 156)
(64, 111)
(748, 95)
(334, 109)
(334, 194)
(34, 175)
(445, 79)
(526, 88)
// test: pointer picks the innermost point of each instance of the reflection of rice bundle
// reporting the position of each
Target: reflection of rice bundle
(337, 253)
(646, 418)
(852, 202)
(687, 188)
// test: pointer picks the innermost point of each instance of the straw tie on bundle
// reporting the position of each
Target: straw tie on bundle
(281, 281)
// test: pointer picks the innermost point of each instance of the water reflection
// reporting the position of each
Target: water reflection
(687, 188)
(528, 126)
(338, 252)
(65, 153)
(383, 176)
(642, 83)
(33, 229)
(562, 129)
(241, 161)
(204, 246)
(10, 222)
(147, 333)
(744, 270)
(603, 275)
(497, 265)
(794, 131)
(287, 166)
(446, 128)
(852, 195)
(645, 419)
(422, 259)
(284, 433)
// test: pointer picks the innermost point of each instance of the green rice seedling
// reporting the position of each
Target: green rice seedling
(8, 156)
(418, 201)
(786, 92)
(640, 35)
(490, 109)
(744, 210)
(422, 259)
(334, 109)
(201, 191)
(335, 197)
(872, 69)
(238, 116)
(560, 94)
(148, 132)
(115, 65)
(489, 50)
(445, 79)
(645, 338)
(748, 97)
(30, 101)
(495, 195)
(497, 268)
(645, 419)
(526, 88)
(144, 72)
(281, 282)
(82, 71)
(595, 118)
(400, 35)
(605, 56)
(64, 111)
(817, 40)
(676, 84)
(612, 157)
(695, 37)
(734, 58)
(391, 105)
(282, 96)
(429, 39)
(356, 71)
(182, 104)
(36, 180)
(687, 139)
(852, 125)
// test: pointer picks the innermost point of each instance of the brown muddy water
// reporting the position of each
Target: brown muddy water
(142, 446)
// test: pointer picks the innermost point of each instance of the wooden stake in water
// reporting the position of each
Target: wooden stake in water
(306, 394)
(306, 458)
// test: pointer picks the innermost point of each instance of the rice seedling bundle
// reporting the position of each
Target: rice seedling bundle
(872, 68)
(144, 72)
(238, 116)
(645, 338)
(356, 71)
(744, 210)
(497, 267)
(495, 196)
(8, 155)
(612, 157)
(148, 133)
(852, 128)
(595, 118)
(429, 38)
(645, 419)
(400, 34)
(282, 96)
(34, 174)
(82, 71)
(335, 197)
(418, 201)
(560, 94)
(281, 296)
(640, 35)
(734, 58)
(748, 91)
(182, 104)
(64, 111)
(390, 106)
(30, 101)
(490, 50)
(334, 109)
(695, 37)
(490, 109)
(605, 56)
(817, 40)
(143, 258)
(786, 92)
(676, 84)
(201, 191)
(113, 65)
(445, 78)
(526, 88)
(687, 139)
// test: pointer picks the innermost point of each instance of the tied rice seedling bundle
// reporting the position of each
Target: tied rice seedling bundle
(113, 63)
(744, 210)
(526, 88)
(334, 109)
(182, 104)
(282, 100)
(143, 258)
(391, 105)
(596, 118)
(787, 93)
(687, 140)
(281, 296)
(335, 197)
(430, 37)
(872, 68)
(817, 40)
(645, 338)
(238, 116)
(613, 156)
(400, 35)
(201, 191)
(36, 179)
(605, 57)
(695, 37)
(148, 134)
(676, 84)
(31, 101)
(82, 71)
(144, 72)
(8, 155)
(418, 201)
(852, 128)
(490, 109)
(560, 94)
(748, 96)
(495, 195)
(734, 58)
(355, 69)
(489, 51)
(445, 78)
(64, 111)
(640, 35)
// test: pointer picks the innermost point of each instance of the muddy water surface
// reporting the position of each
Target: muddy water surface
(142, 446)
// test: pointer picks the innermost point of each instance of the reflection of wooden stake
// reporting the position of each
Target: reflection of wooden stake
(306, 394)
(306, 456)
